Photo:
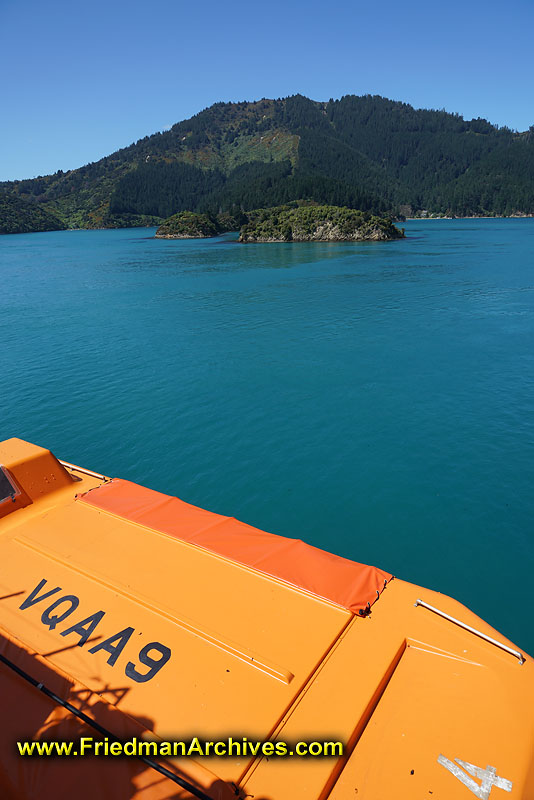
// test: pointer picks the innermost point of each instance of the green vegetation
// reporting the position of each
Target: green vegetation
(230, 222)
(187, 225)
(365, 153)
(307, 223)
(161, 189)
(191, 225)
(21, 216)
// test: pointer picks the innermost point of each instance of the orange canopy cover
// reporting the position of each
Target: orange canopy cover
(346, 583)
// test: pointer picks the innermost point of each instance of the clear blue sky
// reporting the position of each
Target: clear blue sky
(80, 80)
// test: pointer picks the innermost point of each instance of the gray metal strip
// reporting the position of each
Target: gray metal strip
(520, 657)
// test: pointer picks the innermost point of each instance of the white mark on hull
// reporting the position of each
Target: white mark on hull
(488, 777)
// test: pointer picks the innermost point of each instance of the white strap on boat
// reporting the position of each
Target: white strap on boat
(516, 653)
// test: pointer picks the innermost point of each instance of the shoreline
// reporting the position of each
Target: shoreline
(485, 216)
(145, 227)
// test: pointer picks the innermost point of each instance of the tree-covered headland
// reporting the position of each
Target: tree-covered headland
(311, 223)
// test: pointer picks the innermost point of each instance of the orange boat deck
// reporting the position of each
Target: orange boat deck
(160, 620)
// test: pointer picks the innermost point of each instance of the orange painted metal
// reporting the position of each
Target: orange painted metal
(401, 688)
(33, 471)
(251, 635)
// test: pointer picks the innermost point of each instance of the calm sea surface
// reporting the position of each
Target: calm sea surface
(374, 399)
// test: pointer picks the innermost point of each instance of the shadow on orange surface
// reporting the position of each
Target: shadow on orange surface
(27, 714)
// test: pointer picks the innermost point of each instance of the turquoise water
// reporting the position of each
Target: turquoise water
(374, 399)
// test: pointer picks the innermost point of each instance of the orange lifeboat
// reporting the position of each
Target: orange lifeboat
(130, 616)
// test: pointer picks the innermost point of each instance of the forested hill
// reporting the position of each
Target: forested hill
(17, 216)
(366, 152)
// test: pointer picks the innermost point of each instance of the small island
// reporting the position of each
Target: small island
(296, 222)
(312, 223)
(187, 225)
